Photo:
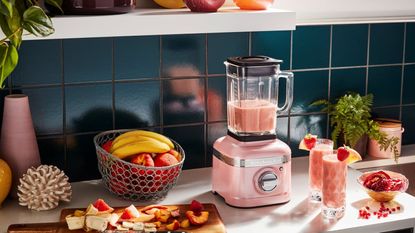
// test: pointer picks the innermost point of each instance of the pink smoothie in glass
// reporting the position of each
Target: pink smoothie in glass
(334, 186)
(252, 116)
(322, 147)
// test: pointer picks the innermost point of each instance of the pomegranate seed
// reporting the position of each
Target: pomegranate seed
(367, 207)
(387, 209)
(385, 215)
(393, 209)
(398, 207)
(374, 213)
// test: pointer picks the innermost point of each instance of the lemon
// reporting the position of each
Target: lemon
(354, 156)
(5, 180)
(171, 4)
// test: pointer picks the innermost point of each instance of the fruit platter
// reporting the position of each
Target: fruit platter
(383, 186)
(138, 165)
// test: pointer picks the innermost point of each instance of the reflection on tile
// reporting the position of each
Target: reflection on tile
(408, 95)
(385, 85)
(282, 129)
(410, 45)
(40, 62)
(137, 105)
(224, 45)
(137, 57)
(46, 108)
(309, 87)
(408, 122)
(81, 158)
(301, 125)
(349, 45)
(88, 108)
(311, 46)
(216, 99)
(275, 44)
(392, 113)
(183, 101)
(52, 151)
(215, 131)
(386, 43)
(183, 55)
(192, 140)
(347, 80)
(87, 60)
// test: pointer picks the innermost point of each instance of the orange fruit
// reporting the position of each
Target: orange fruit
(5, 180)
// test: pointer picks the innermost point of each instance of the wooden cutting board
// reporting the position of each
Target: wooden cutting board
(213, 225)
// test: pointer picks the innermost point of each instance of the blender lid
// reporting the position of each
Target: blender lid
(254, 61)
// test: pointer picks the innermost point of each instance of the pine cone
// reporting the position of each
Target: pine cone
(43, 187)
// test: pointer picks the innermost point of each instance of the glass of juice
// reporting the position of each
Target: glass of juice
(334, 186)
(315, 170)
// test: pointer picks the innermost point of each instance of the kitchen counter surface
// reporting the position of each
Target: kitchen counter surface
(298, 215)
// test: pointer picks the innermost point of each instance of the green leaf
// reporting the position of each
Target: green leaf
(37, 22)
(55, 3)
(8, 62)
(15, 27)
(6, 7)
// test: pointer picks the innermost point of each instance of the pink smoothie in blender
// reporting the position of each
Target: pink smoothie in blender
(252, 116)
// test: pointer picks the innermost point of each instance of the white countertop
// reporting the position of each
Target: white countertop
(295, 216)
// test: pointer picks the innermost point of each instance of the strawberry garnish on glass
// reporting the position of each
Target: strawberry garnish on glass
(308, 142)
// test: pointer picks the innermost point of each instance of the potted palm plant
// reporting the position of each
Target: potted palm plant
(18, 17)
(352, 123)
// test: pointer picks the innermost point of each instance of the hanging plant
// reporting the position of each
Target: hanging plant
(18, 17)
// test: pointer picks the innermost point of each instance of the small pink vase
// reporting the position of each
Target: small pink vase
(18, 144)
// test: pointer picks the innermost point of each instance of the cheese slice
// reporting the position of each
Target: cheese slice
(98, 223)
(75, 223)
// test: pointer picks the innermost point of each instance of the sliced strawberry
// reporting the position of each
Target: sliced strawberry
(308, 142)
(102, 206)
(196, 207)
(342, 153)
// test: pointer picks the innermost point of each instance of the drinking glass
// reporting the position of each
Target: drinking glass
(334, 186)
(322, 147)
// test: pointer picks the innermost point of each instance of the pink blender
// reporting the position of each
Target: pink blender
(251, 167)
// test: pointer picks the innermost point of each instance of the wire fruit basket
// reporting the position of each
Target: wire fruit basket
(134, 182)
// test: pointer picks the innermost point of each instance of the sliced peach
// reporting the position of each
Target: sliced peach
(162, 215)
(185, 223)
(197, 219)
(173, 226)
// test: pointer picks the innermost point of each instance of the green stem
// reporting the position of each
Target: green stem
(11, 35)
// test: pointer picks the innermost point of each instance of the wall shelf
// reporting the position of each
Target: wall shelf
(142, 22)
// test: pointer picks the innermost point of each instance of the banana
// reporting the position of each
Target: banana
(145, 133)
(133, 148)
(127, 140)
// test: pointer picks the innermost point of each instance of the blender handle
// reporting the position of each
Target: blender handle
(289, 91)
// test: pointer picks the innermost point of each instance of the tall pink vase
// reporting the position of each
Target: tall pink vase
(18, 144)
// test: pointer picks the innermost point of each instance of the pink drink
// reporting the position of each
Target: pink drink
(334, 186)
(315, 169)
(252, 116)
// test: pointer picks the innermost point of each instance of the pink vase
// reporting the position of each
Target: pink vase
(18, 144)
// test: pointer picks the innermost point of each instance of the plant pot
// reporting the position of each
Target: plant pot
(392, 128)
(18, 144)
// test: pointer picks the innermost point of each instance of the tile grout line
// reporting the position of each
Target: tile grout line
(161, 118)
(113, 81)
(291, 67)
(65, 143)
(205, 139)
(250, 43)
(369, 26)
(329, 78)
(402, 71)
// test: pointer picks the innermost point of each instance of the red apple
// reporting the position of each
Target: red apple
(165, 159)
(144, 159)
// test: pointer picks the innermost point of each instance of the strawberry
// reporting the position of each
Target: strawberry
(310, 141)
(196, 207)
(342, 153)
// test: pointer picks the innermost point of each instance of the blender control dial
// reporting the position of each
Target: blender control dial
(268, 181)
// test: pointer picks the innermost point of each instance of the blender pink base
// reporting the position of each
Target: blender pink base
(242, 186)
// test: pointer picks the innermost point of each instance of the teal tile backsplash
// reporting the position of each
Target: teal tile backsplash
(176, 85)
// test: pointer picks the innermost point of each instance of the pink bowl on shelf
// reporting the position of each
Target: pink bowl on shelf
(384, 196)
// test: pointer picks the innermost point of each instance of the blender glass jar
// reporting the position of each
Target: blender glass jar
(252, 94)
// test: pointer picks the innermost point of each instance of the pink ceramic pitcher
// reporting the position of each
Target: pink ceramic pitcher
(18, 145)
